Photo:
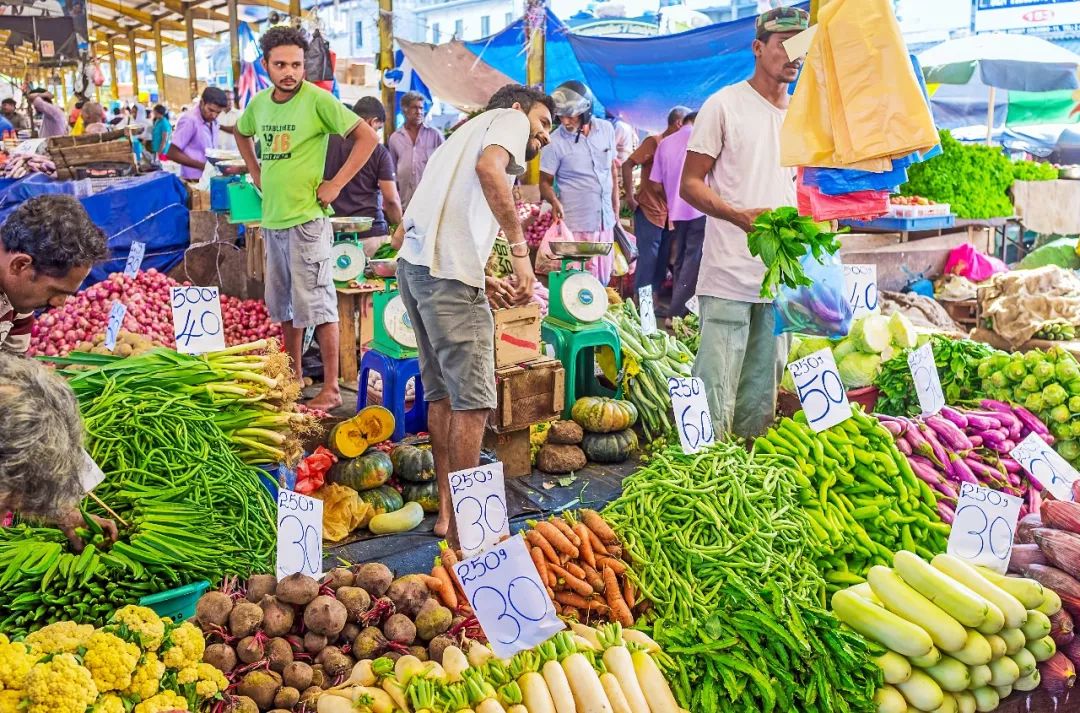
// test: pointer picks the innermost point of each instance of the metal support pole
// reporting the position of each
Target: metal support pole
(193, 82)
(134, 65)
(115, 88)
(386, 61)
(234, 46)
(536, 26)
(159, 65)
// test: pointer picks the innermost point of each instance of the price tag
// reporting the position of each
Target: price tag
(479, 498)
(927, 383)
(134, 258)
(299, 535)
(510, 601)
(860, 283)
(820, 391)
(116, 320)
(645, 308)
(90, 475)
(692, 306)
(197, 320)
(1046, 469)
(691, 413)
(982, 532)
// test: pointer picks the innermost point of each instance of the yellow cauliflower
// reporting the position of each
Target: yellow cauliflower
(15, 663)
(109, 703)
(111, 661)
(147, 679)
(211, 681)
(187, 647)
(10, 700)
(63, 637)
(143, 622)
(164, 702)
(60, 685)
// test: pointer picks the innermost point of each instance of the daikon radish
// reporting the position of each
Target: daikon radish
(620, 664)
(585, 685)
(559, 688)
(657, 692)
(535, 691)
(615, 694)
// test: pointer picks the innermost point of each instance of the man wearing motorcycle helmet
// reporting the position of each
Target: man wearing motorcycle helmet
(579, 172)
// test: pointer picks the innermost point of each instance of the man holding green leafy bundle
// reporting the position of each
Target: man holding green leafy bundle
(736, 146)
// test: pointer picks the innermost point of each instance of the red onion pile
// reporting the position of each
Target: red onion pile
(84, 316)
(535, 222)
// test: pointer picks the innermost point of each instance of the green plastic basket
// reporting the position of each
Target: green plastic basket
(177, 604)
(245, 203)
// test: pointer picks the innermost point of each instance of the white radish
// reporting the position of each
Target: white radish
(331, 703)
(585, 685)
(455, 663)
(406, 667)
(517, 709)
(584, 644)
(361, 675)
(618, 661)
(479, 654)
(657, 692)
(393, 687)
(615, 694)
(586, 632)
(559, 687)
(489, 706)
(381, 702)
(633, 636)
(535, 693)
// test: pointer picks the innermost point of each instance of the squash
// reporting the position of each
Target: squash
(383, 499)
(412, 464)
(609, 447)
(599, 414)
(350, 438)
(402, 520)
(368, 471)
(427, 494)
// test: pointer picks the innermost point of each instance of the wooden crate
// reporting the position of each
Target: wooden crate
(256, 252)
(517, 335)
(528, 393)
(71, 152)
(512, 449)
(200, 200)
(964, 312)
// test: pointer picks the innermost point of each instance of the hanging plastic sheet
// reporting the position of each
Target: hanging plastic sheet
(865, 205)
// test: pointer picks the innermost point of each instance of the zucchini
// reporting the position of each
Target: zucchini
(976, 651)
(1004, 691)
(961, 603)
(1042, 649)
(1028, 683)
(1051, 603)
(997, 646)
(894, 666)
(995, 620)
(403, 520)
(980, 676)
(1037, 625)
(1030, 593)
(890, 700)
(931, 658)
(1003, 672)
(986, 699)
(950, 674)
(1014, 612)
(965, 702)
(866, 592)
(1014, 640)
(899, 598)
(922, 692)
(1025, 661)
(948, 704)
(881, 625)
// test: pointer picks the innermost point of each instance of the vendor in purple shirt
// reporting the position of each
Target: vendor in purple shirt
(53, 119)
(412, 145)
(197, 131)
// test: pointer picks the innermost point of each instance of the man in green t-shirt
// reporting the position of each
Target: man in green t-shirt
(293, 121)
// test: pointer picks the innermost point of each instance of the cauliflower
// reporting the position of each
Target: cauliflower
(60, 686)
(109, 703)
(211, 681)
(147, 679)
(164, 702)
(143, 622)
(15, 663)
(10, 700)
(63, 637)
(186, 648)
(111, 661)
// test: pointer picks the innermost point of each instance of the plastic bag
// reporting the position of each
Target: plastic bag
(311, 473)
(626, 243)
(822, 309)
(317, 66)
(545, 261)
(862, 205)
(966, 261)
(343, 511)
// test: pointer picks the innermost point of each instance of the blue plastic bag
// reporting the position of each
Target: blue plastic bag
(822, 309)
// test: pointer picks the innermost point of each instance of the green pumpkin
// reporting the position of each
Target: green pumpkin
(412, 464)
(383, 499)
(427, 494)
(368, 471)
(609, 447)
(599, 414)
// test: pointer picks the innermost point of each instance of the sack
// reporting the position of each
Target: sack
(545, 261)
(968, 262)
(626, 243)
(317, 66)
(822, 309)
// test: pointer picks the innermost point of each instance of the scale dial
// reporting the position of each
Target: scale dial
(397, 324)
(348, 262)
(584, 298)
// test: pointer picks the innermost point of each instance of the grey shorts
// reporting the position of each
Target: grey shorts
(455, 335)
(299, 280)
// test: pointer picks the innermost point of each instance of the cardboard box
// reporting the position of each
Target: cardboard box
(528, 393)
(200, 200)
(517, 335)
(512, 449)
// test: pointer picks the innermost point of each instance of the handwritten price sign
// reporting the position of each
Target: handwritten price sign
(479, 498)
(982, 532)
(299, 536)
(927, 382)
(693, 305)
(197, 320)
(820, 391)
(116, 320)
(860, 283)
(134, 258)
(90, 474)
(645, 307)
(510, 602)
(691, 413)
(1046, 469)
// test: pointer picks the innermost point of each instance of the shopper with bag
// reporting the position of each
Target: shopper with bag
(579, 173)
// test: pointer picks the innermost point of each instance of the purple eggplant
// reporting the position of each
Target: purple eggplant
(945, 512)
(1010, 465)
(955, 416)
(903, 446)
(976, 441)
(981, 470)
(1031, 421)
(941, 455)
(995, 440)
(893, 427)
(960, 470)
(1008, 445)
(949, 434)
(979, 422)
(996, 406)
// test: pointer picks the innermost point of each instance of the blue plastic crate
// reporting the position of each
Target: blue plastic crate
(902, 225)
(219, 192)
(177, 604)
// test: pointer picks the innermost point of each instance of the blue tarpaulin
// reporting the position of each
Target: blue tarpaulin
(150, 209)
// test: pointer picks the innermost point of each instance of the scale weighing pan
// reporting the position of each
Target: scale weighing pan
(570, 248)
(383, 268)
(345, 224)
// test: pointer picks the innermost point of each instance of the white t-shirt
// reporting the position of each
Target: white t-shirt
(449, 227)
(226, 140)
(741, 130)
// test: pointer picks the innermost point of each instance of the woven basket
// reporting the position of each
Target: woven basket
(71, 152)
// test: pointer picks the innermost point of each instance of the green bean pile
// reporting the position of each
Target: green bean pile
(719, 545)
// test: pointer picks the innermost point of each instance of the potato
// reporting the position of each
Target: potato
(297, 589)
(374, 578)
(297, 675)
(220, 656)
(259, 585)
(408, 594)
(432, 619)
(325, 615)
(286, 698)
(260, 687)
(356, 601)
(280, 654)
(244, 619)
(400, 629)
(339, 577)
(213, 609)
(278, 616)
(243, 704)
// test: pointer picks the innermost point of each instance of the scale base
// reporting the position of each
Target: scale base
(575, 326)
(392, 349)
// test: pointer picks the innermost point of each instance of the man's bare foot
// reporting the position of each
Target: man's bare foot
(326, 400)
(442, 526)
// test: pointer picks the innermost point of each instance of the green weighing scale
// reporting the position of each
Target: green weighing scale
(393, 333)
(574, 326)
(347, 254)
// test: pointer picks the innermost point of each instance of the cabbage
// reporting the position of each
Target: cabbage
(809, 345)
(871, 333)
(903, 331)
(858, 369)
(842, 349)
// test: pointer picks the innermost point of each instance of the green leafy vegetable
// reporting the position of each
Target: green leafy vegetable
(1034, 171)
(957, 362)
(972, 179)
(781, 238)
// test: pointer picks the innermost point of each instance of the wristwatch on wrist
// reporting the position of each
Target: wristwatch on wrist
(515, 245)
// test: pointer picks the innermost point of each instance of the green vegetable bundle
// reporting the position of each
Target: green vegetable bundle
(1034, 171)
(861, 497)
(782, 238)
(973, 179)
(957, 361)
(688, 331)
(719, 547)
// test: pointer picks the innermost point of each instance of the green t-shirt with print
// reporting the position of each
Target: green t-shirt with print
(292, 140)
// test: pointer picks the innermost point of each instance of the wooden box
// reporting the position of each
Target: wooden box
(964, 312)
(512, 449)
(517, 335)
(200, 200)
(528, 393)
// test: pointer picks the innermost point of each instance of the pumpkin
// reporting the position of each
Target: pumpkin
(383, 499)
(609, 447)
(599, 414)
(412, 464)
(427, 494)
(350, 438)
(368, 471)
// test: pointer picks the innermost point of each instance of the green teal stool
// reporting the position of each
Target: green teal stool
(576, 349)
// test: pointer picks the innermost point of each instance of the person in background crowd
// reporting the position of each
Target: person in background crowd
(93, 118)
(116, 117)
(735, 145)
(9, 111)
(75, 118)
(445, 239)
(687, 223)
(626, 140)
(581, 158)
(649, 207)
(412, 145)
(293, 119)
(227, 122)
(372, 192)
(197, 131)
(161, 134)
(54, 121)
